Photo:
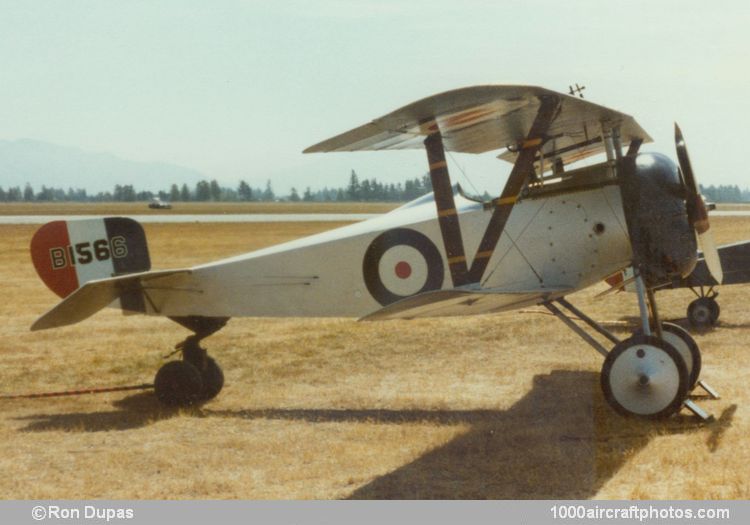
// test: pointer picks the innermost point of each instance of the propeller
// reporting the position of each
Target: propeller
(696, 209)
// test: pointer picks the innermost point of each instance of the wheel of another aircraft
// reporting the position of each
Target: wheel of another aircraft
(178, 383)
(646, 377)
(703, 312)
(213, 380)
(688, 349)
(715, 309)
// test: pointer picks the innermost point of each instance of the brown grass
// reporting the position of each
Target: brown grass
(501, 406)
(733, 206)
(182, 208)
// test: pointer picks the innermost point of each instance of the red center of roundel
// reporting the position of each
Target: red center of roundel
(403, 270)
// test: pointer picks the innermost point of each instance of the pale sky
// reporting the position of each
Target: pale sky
(237, 89)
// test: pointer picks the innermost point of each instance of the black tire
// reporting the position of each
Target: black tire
(633, 392)
(688, 350)
(694, 372)
(177, 384)
(715, 310)
(213, 380)
(703, 312)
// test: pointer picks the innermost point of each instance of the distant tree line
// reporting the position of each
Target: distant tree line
(725, 193)
(365, 190)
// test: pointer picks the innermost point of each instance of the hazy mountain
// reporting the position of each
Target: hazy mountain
(39, 163)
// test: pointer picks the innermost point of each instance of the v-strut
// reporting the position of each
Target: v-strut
(461, 274)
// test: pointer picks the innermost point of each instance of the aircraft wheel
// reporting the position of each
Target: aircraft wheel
(646, 377)
(178, 383)
(715, 310)
(688, 349)
(213, 380)
(703, 312)
(211, 375)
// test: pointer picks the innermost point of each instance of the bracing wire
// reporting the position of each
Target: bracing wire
(468, 180)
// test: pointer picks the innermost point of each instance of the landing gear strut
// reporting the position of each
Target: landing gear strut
(650, 374)
(193, 380)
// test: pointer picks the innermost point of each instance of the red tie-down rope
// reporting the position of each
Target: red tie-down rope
(103, 390)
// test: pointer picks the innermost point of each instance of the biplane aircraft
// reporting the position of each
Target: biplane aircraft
(553, 230)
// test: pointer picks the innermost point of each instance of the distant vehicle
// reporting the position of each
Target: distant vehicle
(158, 204)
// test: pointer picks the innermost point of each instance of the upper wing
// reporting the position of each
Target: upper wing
(442, 303)
(97, 294)
(485, 118)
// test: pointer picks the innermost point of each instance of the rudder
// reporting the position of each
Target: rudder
(67, 254)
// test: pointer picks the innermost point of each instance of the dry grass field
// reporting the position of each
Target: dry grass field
(733, 206)
(499, 406)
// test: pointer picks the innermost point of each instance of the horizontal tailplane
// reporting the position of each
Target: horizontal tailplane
(97, 294)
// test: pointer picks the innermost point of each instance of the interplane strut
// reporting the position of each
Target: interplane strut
(503, 205)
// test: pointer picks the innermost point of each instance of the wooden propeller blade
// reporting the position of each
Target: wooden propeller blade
(697, 213)
(684, 158)
(711, 255)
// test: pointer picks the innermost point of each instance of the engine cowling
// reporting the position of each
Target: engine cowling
(653, 195)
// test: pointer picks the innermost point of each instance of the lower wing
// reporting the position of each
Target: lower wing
(457, 302)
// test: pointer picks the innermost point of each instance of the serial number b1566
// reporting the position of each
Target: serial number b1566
(87, 252)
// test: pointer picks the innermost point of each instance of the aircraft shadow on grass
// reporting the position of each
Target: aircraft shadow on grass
(134, 411)
(561, 440)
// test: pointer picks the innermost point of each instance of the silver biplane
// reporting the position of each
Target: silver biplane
(553, 230)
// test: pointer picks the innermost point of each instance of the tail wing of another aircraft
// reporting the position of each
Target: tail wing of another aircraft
(735, 261)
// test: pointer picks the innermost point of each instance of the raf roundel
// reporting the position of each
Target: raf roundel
(400, 263)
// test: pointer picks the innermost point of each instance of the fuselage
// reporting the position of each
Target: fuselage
(564, 240)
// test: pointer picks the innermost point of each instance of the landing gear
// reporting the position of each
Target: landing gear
(213, 380)
(704, 311)
(683, 342)
(196, 379)
(646, 377)
(178, 383)
(650, 374)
